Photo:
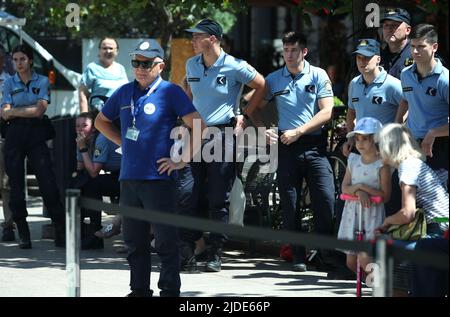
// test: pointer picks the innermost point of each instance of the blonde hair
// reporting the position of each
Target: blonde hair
(396, 144)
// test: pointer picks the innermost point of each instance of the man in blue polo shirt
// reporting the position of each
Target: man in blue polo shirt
(396, 55)
(304, 98)
(215, 80)
(148, 109)
(374, 93)
(425, 88)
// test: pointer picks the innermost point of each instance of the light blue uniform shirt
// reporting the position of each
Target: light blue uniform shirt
(104, 153)
(297, 98)
(216, 90)
(3, 77)
(427, 99)
(17, 94)
(103, 81)
(156, 117)
(379, 100)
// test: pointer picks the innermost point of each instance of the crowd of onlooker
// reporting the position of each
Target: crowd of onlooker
(396, 149)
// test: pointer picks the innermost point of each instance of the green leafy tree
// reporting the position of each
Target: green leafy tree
(161, 19)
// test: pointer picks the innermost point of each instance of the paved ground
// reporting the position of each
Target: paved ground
(104, 273)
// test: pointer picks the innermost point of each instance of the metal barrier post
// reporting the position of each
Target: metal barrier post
(385, 263)
(73, 242)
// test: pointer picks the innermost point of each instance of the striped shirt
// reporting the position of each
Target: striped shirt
(430, 194)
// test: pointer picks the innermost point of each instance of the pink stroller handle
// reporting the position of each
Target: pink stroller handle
(374, 199)
(359, 234)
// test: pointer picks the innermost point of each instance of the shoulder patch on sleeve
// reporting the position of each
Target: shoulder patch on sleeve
(328, 86)
(250, 67)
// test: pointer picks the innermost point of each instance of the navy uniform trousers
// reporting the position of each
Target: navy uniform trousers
(306, 159)
(213, 180)
(155, 195)
(27, 138)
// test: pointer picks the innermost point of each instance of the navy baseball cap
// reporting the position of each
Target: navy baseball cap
(207, 26)
(397, 14)
(149, 48)
(368, 47)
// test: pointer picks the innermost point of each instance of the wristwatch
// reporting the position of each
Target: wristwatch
(84, 150)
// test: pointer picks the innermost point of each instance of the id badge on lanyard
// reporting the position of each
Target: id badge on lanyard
(132, 132)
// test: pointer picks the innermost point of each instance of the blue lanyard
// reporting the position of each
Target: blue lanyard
(135, 110)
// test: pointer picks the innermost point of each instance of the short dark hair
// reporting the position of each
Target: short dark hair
(88, 115)
(25, 49)
(107, 37)
(294, 37)
(424, 30)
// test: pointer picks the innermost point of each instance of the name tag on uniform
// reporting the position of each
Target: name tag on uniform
(132, 134)
(17, 91)
(281, 92)
(406, 89)
(355, 99)
(193, 79)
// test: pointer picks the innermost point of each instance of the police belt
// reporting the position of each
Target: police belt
(29, 121)
(231, 123)
(438, 139)
(308, 138)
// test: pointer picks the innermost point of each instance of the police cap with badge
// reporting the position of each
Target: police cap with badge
(367, 48)
(397, 14)
(149, 48)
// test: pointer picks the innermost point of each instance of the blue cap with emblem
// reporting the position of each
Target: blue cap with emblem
(149, 48)
(367, 47)
(397, 14)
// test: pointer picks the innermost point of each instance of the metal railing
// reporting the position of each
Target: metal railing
(382, 249)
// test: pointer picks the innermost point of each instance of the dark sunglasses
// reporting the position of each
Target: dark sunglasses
(144, 64)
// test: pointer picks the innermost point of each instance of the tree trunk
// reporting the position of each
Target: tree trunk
(166, 38)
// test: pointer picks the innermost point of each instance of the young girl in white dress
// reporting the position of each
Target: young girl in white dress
(366, 176)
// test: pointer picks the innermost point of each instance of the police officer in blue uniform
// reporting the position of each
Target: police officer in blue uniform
(396, 55)
(426, 89)
(25, 99)
(374, 93)
(148, 109)
(215, 81)
(304, 98)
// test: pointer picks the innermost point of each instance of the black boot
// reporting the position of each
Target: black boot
(24, 234)
(8, 234)
(214, 261)
(92, 242)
